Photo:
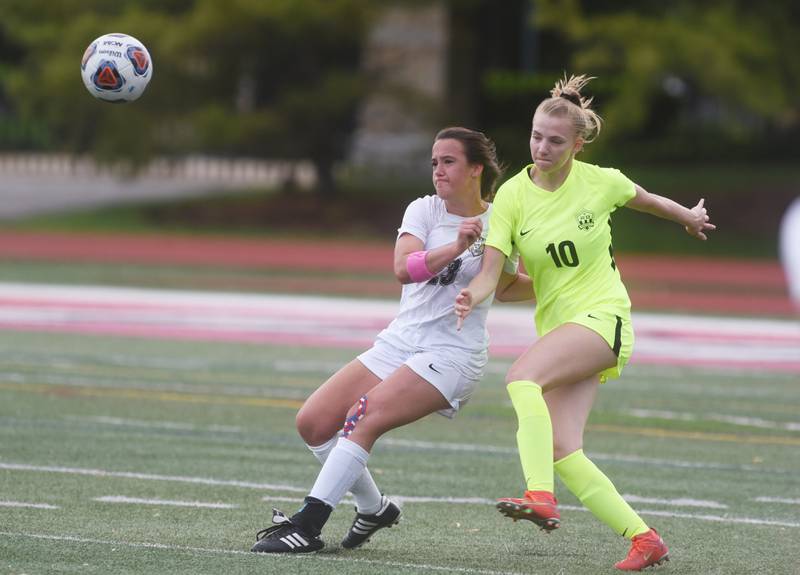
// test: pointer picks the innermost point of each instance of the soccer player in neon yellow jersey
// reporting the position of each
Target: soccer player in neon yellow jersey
(556, 212)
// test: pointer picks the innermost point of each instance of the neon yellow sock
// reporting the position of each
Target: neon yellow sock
(598, 494)
(534, 435)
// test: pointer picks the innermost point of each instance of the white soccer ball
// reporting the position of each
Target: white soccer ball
(116, 68)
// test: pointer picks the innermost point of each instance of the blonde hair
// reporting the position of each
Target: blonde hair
(566, 100)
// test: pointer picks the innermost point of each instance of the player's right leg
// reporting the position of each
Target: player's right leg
(569, 354)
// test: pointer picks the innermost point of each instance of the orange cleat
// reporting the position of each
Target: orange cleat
(647, 549)
(536, 506)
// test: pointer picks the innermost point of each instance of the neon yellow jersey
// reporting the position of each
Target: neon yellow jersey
(564, 239)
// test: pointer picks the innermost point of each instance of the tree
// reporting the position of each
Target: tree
(686, 67)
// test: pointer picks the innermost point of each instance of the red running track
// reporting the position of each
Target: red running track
(706, 285)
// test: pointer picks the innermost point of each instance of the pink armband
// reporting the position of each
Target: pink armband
(417, 268)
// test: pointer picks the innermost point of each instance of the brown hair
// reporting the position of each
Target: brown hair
(478, 149)
(566, 100)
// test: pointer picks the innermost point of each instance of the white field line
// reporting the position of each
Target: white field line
(171, 425)
(28, 505)
(680, 502)
(719, 518)
(420, 567)
(785, 500)
(650, 461)
(169, 502)
(447, 447)
(657, 512)
(720, 417)
(149, 477)
(403, 499)
(206, 481)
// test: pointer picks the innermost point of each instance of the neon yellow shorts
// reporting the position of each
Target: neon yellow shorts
(616, 330)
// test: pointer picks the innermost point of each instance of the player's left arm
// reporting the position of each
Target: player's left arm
(695, 220)
(514, 287)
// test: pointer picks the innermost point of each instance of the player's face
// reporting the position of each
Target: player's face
(553, 142)
(452, 174)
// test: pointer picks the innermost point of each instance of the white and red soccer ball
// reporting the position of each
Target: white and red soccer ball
(116, 68)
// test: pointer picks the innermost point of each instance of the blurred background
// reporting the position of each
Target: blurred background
(274, 131)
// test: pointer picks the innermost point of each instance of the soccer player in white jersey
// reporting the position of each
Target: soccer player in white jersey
(419, 364)
(557, 213)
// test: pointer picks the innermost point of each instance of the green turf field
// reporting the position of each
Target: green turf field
(151, 457)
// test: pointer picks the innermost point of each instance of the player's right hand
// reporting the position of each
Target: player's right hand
(468, 232)
(463, 307)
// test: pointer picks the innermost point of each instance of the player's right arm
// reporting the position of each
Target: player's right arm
(436, 259)
(482, 285)
(514, 287)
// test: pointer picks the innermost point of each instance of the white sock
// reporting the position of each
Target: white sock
(368, 497)
(321, 452)
(345, 464)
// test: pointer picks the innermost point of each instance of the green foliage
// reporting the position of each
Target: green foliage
(685, 66)
(677, 81)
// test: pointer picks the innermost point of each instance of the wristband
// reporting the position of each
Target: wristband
(417, 268)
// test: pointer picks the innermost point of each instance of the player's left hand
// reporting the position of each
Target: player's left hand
(463, 307)
(699, 222)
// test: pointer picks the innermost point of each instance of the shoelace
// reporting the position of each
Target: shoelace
(265, 532)
(642, 545)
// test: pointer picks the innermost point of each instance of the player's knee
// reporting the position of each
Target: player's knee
(314, 428)
(564, 447)
(516, 373)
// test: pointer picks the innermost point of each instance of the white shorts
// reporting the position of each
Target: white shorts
(383, 359)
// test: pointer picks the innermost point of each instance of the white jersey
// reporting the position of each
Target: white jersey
(426, 320)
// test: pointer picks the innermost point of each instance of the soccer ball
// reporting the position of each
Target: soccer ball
(116, 68)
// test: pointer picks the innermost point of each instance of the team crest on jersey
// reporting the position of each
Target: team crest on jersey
(585, 220)
(476, 249)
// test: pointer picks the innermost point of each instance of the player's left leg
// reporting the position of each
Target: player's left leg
(569, 408)
(401, 398)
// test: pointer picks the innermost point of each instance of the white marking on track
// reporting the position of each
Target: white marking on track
(168, 502)
(28, 505)
(419, 567)
(757, 344)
